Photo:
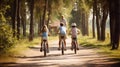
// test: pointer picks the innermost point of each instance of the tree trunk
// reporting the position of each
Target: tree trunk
(112, 19)
(49, 11)
(18, 20)
(31, 21)
(114, 7)
(97, 20)
(14, 17)
(39, 25)
(23, 17)
(83, 24)
(24, 26)
(103, 23)
(93, 21)
(117, 24)
(86, 24)
(44, 12)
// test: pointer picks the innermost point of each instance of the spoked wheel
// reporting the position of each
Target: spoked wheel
(45, 50)
(75, 48)
(62, 48)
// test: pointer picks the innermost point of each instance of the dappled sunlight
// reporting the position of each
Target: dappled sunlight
(89, 40)
(104, 46)
(84, 57)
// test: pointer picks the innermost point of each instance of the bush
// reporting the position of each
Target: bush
(6, 38)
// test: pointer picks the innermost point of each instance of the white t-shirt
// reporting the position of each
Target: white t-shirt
(74, 32)
(62, 30)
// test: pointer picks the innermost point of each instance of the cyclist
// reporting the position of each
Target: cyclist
(63, 20)
(74, 31)
(62, 33)
(44, 36)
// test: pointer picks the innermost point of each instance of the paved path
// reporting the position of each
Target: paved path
(85, 57)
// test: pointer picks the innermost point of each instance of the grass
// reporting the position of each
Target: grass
(24, 44)
(21, 46)
(53, 38)
(85, 41)
(102, 47)
(18, 49)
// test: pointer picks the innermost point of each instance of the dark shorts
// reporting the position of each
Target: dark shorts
(74, 38)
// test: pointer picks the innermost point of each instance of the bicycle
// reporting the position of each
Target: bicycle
(62, 45)
(44, 46)
(74, 44)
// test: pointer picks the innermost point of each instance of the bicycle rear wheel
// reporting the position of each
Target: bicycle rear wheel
(45, 49)
(75, 47)
(62, 48)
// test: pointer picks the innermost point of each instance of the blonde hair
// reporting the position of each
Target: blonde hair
(44, 29)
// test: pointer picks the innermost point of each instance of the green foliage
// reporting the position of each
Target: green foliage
(75, 18)
(102, 47)
(24, 44)
(6, 39)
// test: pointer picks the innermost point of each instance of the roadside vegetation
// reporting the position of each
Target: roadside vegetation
(24, 44)
(99, 46)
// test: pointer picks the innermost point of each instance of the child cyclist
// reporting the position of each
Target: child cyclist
(74, 31)
(62, 33)
(44, 36)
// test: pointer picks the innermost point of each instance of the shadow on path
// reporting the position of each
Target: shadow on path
(83, 59)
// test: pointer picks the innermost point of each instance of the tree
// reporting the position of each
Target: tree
(81, 15)
(6, 37)
(31, 20)
(97, 18)
(14, 16)
(104, 9)
(93, 20)
(23, 15)
(18, 19)
(49, 11)
(44, 12)
(114, 8)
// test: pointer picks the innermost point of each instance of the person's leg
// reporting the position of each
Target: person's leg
(65, 37)
(65, 43)
(72, 44)
(77, 44)
(59, 42)
(41, 45)
(47, 45)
